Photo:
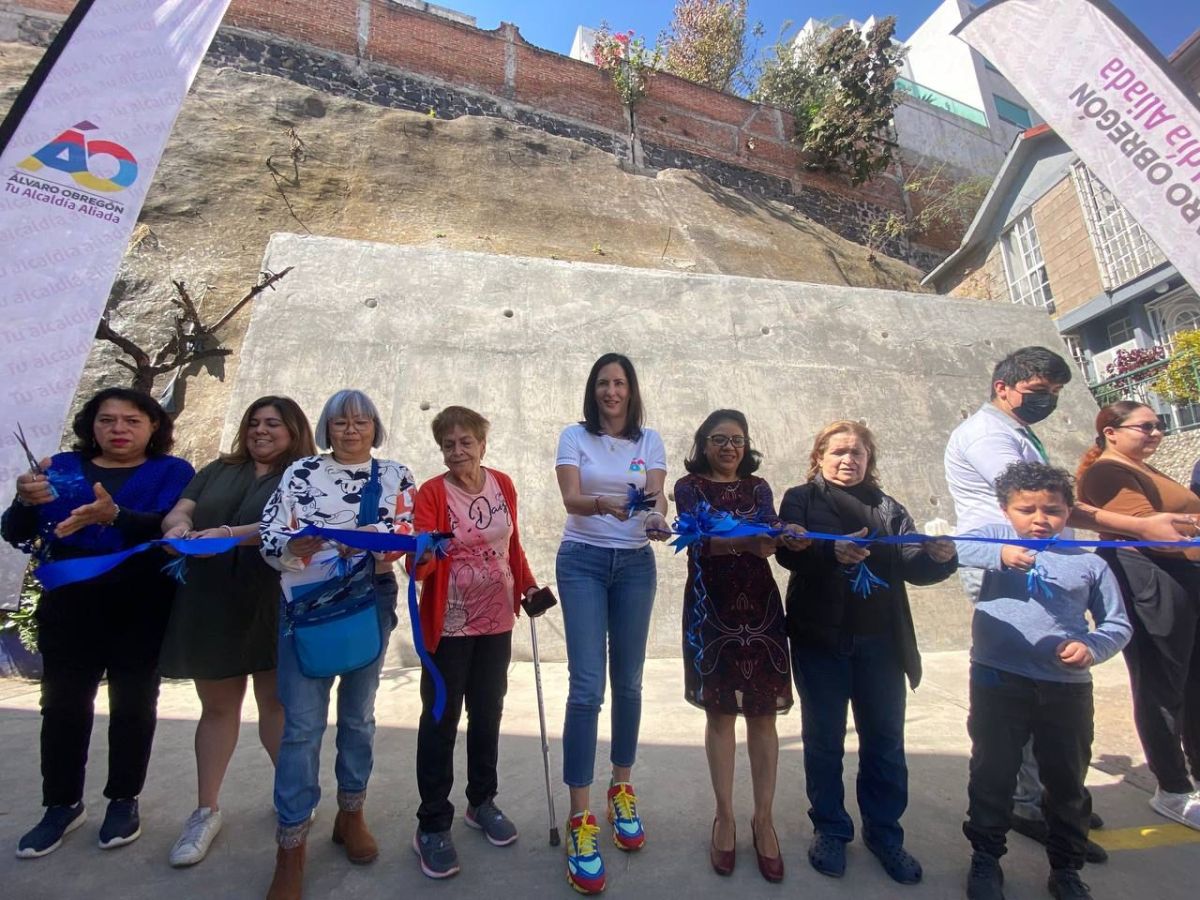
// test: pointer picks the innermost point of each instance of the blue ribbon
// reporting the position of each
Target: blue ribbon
(638, 500)
(54, 575)
(417, 544)
(863, 581)
(704, 521)
(1035, 583)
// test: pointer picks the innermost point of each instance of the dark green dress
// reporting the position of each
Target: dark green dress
(224, 620)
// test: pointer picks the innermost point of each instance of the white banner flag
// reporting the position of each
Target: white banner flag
(84, 140)
(1112, 97)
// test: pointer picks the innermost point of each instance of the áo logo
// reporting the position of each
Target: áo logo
(73, 153)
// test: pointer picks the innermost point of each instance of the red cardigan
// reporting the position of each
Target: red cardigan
(430, 513)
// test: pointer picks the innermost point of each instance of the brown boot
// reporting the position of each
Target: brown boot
(350, 829)
(288, 883)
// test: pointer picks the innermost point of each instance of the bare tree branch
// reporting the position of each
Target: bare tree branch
(268, 281)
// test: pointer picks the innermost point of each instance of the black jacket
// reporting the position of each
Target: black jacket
(818, 590)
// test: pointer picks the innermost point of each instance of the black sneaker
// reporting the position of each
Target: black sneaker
(494, 824)
(436, 851)
(1064, 884)
(47, 836)
(985, 881)
(121, 824)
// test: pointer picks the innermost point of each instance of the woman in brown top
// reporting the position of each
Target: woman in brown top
(1162, 595)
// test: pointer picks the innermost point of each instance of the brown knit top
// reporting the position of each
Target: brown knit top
(1120, 487)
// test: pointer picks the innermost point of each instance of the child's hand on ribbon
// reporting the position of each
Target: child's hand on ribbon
(848, 553)
(1075, 654)
(1019, 558)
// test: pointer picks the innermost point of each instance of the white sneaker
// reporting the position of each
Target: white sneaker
(198, 834)
(1182, 808)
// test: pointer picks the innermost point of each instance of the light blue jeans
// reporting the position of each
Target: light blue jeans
(305, 714)
(607, 596)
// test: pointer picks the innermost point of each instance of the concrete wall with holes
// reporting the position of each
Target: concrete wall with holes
(513, 338)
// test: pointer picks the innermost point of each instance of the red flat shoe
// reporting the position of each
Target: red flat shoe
(722, 860)
(770, 867)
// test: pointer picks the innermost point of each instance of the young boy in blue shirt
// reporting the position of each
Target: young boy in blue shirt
(1031, 652)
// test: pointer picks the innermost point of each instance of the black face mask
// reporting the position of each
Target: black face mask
(1036, 407)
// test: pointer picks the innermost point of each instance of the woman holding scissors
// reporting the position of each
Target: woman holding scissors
(109, 493)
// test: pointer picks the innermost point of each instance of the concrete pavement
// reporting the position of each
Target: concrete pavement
(1155, 860)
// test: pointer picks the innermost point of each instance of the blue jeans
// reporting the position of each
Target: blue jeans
(306, 712)
(865, 676)
(606, 596)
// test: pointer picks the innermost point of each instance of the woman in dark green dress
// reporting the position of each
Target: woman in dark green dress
(223, 625)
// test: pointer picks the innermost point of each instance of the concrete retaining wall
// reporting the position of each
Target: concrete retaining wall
(420, 329)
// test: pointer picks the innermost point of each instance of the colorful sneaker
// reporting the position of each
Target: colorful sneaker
(628, 833)
(121, 825)
(585, 868)
(47, 835)
(198, 833)
(495, 825)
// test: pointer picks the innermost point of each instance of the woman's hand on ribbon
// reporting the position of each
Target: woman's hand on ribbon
(1019, 558)
(1075, 654)
(345, 550)
(760, 545)
(848, 553)
(33, 488)
(305, 546)
(657, 527)
(793, 538)
(180, 533)
(612, 505)
(940, 551)
(103, 511)
(1169, 527)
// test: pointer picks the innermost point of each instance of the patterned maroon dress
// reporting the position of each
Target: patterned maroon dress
(734, 636)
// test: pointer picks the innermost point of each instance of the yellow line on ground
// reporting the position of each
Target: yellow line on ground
(1145, 837)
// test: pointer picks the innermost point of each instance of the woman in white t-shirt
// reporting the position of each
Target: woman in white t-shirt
(606, 579)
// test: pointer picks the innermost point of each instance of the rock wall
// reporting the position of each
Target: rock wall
(1177, 454)
(513, 338)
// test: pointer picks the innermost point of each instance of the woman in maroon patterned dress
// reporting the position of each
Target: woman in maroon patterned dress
(734, 637)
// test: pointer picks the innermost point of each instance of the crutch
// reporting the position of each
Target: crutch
(535, 605)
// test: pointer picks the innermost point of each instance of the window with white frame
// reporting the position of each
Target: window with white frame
(1078, 356)
(1123, 248)
(1023, 264)
(1120, 331)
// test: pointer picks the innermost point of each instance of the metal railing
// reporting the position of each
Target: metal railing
(941, 101)
(1138, 385)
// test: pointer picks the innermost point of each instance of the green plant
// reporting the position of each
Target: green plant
(839, 86)
(627, 60)
(940, 203)
(22, 618)
(707, 44)
(1180, 380)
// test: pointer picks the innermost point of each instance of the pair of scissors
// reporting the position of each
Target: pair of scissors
(34, 465)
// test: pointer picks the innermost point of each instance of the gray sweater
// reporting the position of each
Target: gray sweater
(1017, 631)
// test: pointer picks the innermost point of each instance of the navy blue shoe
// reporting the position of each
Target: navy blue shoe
(901, 866)
(47, 836)
(827, 855)
(121, 824)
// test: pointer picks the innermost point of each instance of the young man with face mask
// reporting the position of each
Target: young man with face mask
(1025, 389)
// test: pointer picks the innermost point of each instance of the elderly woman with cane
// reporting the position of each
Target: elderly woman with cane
(346, 488)
(107, 494)
(470, 597)
(224, 627)
(854, 644)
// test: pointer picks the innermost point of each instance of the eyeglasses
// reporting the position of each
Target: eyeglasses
(724, 440)
(359, 425)
(1147, 428)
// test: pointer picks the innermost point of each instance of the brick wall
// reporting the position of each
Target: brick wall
(395, 55)
(980, 275)
(1066, 247)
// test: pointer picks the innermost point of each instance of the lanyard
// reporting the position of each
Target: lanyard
(1033, 439)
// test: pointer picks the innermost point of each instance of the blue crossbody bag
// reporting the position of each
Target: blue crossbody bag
(341, 631)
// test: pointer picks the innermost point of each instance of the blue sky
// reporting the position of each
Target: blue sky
(551, 23)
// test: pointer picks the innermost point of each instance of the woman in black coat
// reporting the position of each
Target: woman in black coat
(854, 651)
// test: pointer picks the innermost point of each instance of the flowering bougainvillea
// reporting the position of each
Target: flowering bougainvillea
(627, 60)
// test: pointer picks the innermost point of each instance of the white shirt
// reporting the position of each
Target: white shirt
(608, 465)
(980, 449)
